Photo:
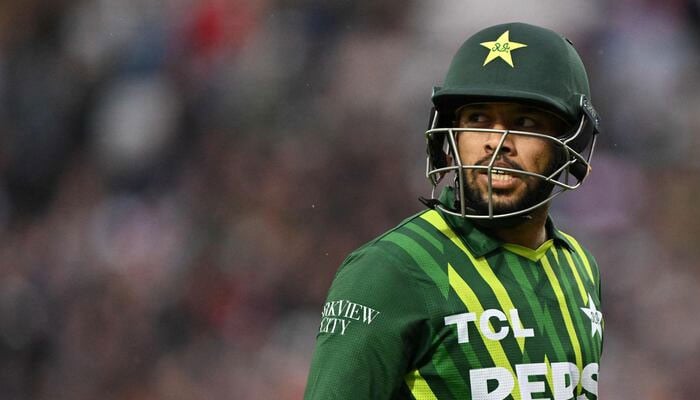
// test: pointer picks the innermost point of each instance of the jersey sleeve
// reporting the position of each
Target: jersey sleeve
(370, 326)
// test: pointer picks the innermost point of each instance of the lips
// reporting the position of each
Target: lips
(500, 179)
(500, 176)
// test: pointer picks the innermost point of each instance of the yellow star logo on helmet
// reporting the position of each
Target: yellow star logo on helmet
(501, 48)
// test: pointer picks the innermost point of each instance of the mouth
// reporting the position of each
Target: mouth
(500, 175)
(500, 180)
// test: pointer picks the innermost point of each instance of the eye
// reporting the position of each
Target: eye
(525, 123)
(476, 118)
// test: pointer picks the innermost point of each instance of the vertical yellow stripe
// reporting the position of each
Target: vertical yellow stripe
(549, 376)
(564, 312)
(419, 387)
(469, 298)
(481, 265)
(574, 270)
(554, 251)
(581, 253)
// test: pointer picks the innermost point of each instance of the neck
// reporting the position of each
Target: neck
(531, 233)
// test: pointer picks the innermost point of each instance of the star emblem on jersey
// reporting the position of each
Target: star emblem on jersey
(595, 316)
(501, 48)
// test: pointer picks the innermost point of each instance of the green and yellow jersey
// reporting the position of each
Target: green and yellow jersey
(436, 309)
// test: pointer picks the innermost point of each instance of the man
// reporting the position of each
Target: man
(480, 296)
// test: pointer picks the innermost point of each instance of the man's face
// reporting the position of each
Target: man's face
(511, 192)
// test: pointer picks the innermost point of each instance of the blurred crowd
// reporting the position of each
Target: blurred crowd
(180, 179)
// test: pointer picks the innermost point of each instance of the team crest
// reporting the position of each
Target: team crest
(501, 48)
(595, 316)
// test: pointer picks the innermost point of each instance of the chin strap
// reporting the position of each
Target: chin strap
(430, 203)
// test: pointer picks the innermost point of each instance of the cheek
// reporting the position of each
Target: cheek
(468, 146)
(541, 155)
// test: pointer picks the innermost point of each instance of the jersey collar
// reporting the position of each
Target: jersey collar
(478, 242)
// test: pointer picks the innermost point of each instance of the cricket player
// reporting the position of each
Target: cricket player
(480, 296)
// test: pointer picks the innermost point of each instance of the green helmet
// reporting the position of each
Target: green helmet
(516, 62)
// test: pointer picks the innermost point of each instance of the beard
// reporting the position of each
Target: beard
(536, 191)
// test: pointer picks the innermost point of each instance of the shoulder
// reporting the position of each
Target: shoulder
(582, 253)
(384, 266)
(395, 251)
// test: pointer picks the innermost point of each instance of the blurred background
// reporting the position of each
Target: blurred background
(180, 180)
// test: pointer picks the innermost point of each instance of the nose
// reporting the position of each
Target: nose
(494, 140)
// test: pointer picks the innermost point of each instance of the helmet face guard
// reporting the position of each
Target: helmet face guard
(572, 151)
(512, 63)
